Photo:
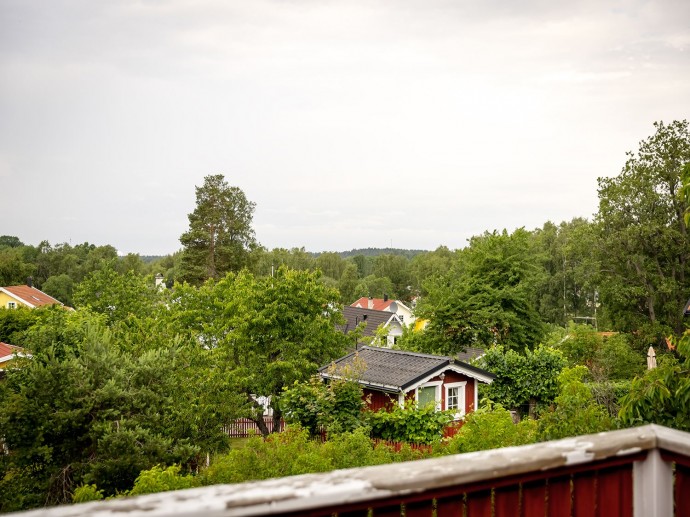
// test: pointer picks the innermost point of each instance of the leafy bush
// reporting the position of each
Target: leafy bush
(315, 405)
(491, 427)
(575, 411)
(158, 479)
(410, 423)
(85, 493)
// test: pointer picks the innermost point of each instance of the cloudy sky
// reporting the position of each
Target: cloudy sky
(349, 123)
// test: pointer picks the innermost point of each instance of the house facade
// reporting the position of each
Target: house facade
(372, 320)
(15, 296)
(403, 312)
(397, 377)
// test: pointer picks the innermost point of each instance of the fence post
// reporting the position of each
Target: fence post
(652, 486)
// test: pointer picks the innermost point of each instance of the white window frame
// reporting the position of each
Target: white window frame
(437, 394)
(11, 305)
(461, 397)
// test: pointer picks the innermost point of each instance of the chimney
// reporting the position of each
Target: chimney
(370, 303)
(385, 297)
(30, 281)
(159, 281)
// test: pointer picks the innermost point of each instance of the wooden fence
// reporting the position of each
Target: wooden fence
(640, 472)
(244, 427)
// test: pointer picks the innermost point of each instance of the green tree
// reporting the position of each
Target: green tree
(523, 379)
(92, 414)
(487, 297)
(575, 411)
(117, 295)
(60, 287)
(348, 284)
(662, 394)
(270, 331)
(220, 233)
(644, 249)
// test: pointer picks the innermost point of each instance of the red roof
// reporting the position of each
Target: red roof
(6, 349)
(379, 303)
(30, 295)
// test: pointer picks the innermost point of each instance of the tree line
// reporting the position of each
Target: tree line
(141, 375)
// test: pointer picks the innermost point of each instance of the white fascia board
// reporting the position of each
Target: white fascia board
(455, 368)
(12, 295)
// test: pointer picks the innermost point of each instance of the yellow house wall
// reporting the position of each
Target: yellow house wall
(4, 298)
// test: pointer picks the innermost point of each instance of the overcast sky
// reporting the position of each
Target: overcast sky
(350, 124)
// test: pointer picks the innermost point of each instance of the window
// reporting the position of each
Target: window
(455, 397)
(11, 305)
(429, 393)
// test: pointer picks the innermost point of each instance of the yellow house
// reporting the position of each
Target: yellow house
(24, 296)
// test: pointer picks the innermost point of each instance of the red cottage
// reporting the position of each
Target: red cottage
(408, 376)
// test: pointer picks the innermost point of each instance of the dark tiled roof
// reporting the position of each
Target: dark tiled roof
(373, 319)
(397, 369)
(470, 353)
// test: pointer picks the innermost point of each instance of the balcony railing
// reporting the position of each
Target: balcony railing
(640, 472)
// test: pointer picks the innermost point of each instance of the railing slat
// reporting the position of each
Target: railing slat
(559, 497)
(450, 506)
(507, 501)
(534, 499)
(614, 492)
(682, 491)
(419, 509)
(479, 504)
(584, 494)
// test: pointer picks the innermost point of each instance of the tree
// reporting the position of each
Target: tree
(575, 411)
(487, 297)
(220, 234)
(117, 295)
(523, 379)
(268, 331)
(644, 250)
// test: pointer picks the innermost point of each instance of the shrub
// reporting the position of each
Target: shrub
(157, 479)
(410, 423)
(491, 427)
(85, 493)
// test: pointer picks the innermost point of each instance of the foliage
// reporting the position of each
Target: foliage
(15, 322)
(410, 423)
(335, 407)
(491, 427)
(85, 493)
(487, 297)
(616, 359)
(116, 295)
(643, 245)
(158, 479)
(266, 332)
(220, 234)
(522, 378)
(662, 394)
(575, 411)
(293, 452)
(85, 411)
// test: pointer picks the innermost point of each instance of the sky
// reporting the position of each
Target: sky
(350, 124)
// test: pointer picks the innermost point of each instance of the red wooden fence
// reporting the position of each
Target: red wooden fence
(244, 427)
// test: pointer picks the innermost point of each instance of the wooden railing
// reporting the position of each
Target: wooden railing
(640, 472)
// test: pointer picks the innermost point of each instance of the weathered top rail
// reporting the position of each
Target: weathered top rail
(345, 488)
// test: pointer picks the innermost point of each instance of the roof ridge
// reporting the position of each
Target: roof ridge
(408, 352)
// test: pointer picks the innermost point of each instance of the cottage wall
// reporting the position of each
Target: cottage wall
(452, 377)
(379, 400)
